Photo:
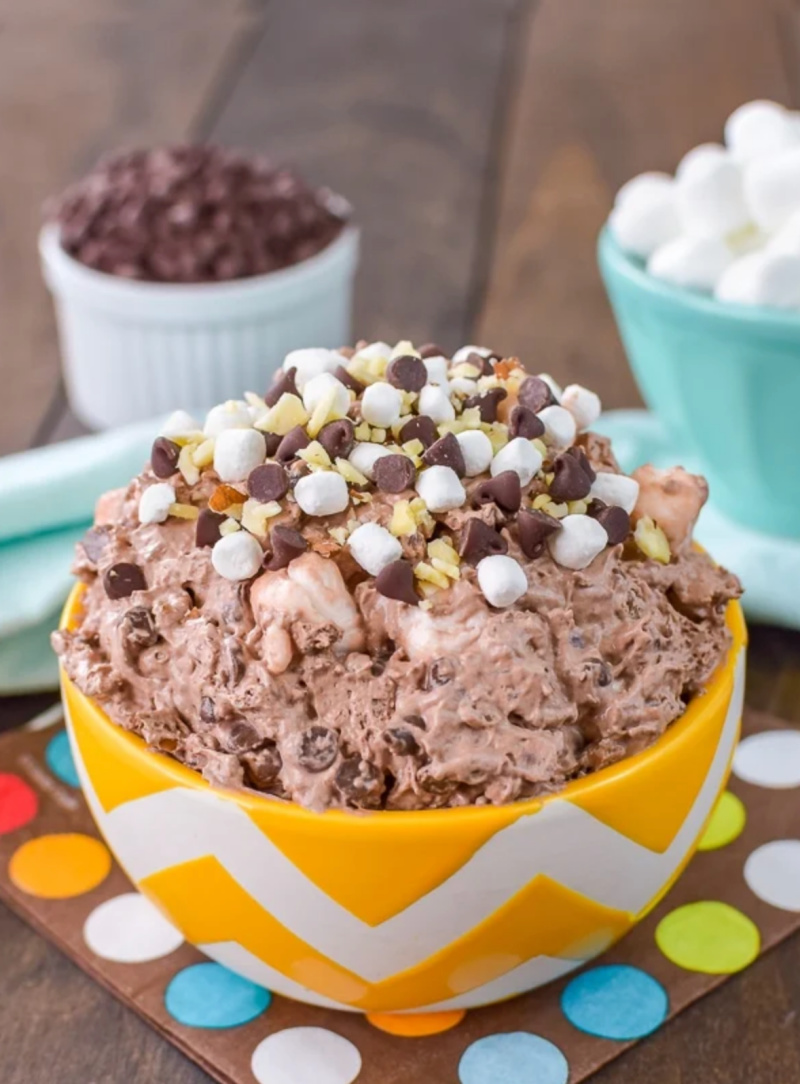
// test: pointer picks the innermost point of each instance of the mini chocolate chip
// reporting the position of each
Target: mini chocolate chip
(122, 579)
(319, 747)
(237, 736)
(337, 438)
(504, 490)
(616, 523)
(407, 372)
(441, 672)
(524, 423)
(432, 350)
(262, 766)
(272, 442)
(348, 380)
(401, 742)
(231, 665)
(595, 507)
(94, 543)
(571, 482)
(138, 629)
(415, 720)
(269, 482)
(534, 528)
(478, 540)
(208, 710)
(285, 544)
(397, 581)
(284, 385)
(360, 782)
(445, 452)
(480, 362)
(422, 429)
(164, 457)
(294, 441)
(207, 529)
(394, 473)
(487, 403)
(578, 453)
(535, 394)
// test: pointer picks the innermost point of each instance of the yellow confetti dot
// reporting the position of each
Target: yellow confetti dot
(711, 937)
(56, 867)
(415, 1025)
(726, 824)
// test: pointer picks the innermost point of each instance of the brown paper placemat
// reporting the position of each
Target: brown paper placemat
(225, 1053)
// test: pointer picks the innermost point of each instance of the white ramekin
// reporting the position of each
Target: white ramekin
(131, 350)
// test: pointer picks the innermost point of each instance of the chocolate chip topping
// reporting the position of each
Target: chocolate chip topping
(269, 482)
(164, 457)
(571, 482)
(284, 385)
(407, 372)
(480, 362)
(94, 543)
(285, 544)
(446, 452)
(138, 628)
(237, 736)
(337, 438)
(524, 423)
(397, 581)
(478, 540)
(432, 350)
(578, 453)
(319, 748)
(394, 473)
(360, 782)
(421, 428)
(487, 403)
(401, 741)
(349, 381)
(504, 490)
(207, 529)
(272, 442)
(534, 528)
(294, 441)
(535, 394)
(615, 522)
(122, 579)
(262, 766)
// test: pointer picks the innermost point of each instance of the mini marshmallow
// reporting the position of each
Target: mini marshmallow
(553, 385)
(435, 402)
(310, 362)
(615, 489)
(365, 455)
(235, 414)
(319, 388)
(701, 151)
(559, 426)
(177, 423)
(237, 452)
(436, 368)
(155, 501)
(771, 279)
(641, 180)
(441, 489)
(520, 456)
(646, 216)
(787, 237)
(772, 188)
(464, 386)
(323, 493)
(584, 405)
(477, 451)
(759, 128)
(696, 263)
(502, 580)
(373, 547)
(578, 542)
(710, 195)
(237, 556)
(375, 351)
(464, 352)
(381, 404)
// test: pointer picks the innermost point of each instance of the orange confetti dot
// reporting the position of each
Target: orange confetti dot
(416, 1025)
(56, 867)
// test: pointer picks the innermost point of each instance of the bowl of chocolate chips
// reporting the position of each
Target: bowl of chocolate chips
(182, 274)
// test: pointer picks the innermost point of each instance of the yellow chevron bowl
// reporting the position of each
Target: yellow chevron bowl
(400, 912)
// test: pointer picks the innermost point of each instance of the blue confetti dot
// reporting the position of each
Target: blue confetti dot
(210, 996)
(58, 757)
(615, 1002)
(517, 1057)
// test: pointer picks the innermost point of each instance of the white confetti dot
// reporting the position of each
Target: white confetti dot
(771, 759)
(130, 930)
(773, 873)
(305, 1056)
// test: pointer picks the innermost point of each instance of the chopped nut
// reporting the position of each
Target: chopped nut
(350, 474)
(428, 574)
(255, 516)
(557, 510)
(228, 527)
(505, 368)
(426, 604)
(451, 571)
(287, 413)
(540, 447)
(414, 448)
(254, 400)
(549, 476)
(323, 413)
(403, 520)
(578, 508)
(378, 436)
(442, 550)
(184, 511)
(485, 383)
(409, 398)
(315, 455)
(358, 497)
(404, 349)
(191, 436)
(470, 372)
(186, 465)
(362, 431)
(224, 497)
(651, 540)
(203, 454)
(497, 434)
(338, 534)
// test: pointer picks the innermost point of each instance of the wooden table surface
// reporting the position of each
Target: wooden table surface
(481, 142)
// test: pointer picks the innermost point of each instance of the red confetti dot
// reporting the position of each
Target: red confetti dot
(18, 803)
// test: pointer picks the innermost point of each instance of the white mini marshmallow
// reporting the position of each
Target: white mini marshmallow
(584, 405)
(615, 489)
(477, 451)
(578, 542)
(646, 216)
(365, 455)
(235, 414)
(375, 350)
(155, 501)
(772, 188)
(177, 423)
(553, 385)
(502, 580)
(787, 237)
(641, 180)
(759, 128)
(237, 556)
(701, 151)
(520, 456)
(710, 194)
(559, 426)
(381, 404)
(237, 452)
(310, 362)
(436, 368)
(441, 489)
(464, 352)
(771, 279)
(323, 493)
(463, 385)
(435, 402)
(373, 547)
(320, 387)
(695, 263)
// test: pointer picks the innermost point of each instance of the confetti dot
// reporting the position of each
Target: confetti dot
(771, 759)
(58, 757)
(415, 1025)
(210, 996)
(726, 824)
(710, 937)
(773, 873)
(129, 929)
(615, 1002)
(305, 1056)
(514, 1058)
(56, 867)
(18, 803)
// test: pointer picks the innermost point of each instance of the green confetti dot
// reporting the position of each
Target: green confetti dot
(726, 824)
(709, 937)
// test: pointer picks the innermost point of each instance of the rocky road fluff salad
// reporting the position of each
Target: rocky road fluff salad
(398, 580)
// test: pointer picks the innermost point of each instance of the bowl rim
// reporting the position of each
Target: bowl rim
(719, 687)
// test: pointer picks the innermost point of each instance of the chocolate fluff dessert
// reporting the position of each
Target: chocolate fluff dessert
(398, 580)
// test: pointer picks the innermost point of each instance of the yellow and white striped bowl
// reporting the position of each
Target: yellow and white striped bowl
(393, 912)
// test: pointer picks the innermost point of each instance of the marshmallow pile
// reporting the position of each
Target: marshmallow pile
(728, 222)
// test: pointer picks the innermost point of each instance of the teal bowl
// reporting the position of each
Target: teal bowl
(725, 382)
